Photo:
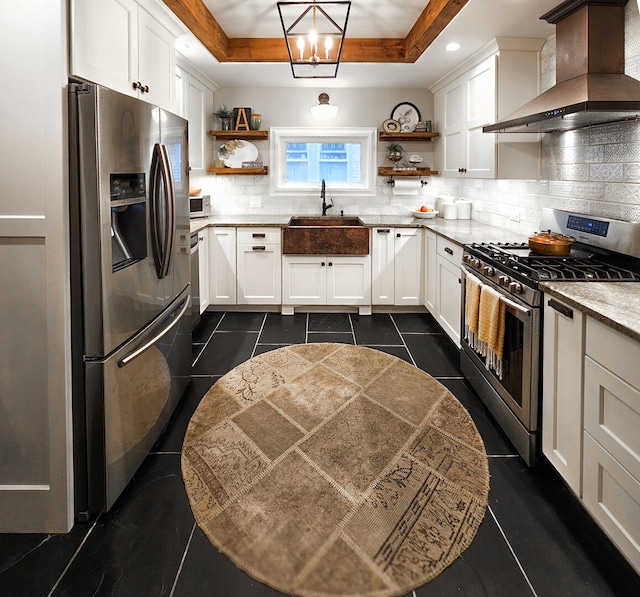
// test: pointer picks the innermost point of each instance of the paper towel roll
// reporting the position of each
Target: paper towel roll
(406, 187)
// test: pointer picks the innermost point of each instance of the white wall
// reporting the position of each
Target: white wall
(291, 107)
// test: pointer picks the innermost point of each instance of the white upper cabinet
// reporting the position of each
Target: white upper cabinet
(118, 44)
(194, 100)
(489, 86)
(156, 62)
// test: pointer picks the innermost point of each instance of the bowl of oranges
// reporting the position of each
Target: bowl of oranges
(424, 212)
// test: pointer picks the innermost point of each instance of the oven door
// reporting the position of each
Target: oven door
(518, 387)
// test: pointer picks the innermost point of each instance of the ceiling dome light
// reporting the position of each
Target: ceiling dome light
(452, 47)
(323, 111)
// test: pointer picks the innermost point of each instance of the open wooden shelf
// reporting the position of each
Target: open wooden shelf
(389, 171)
(248, 135)
(240, 171)
(383, 136)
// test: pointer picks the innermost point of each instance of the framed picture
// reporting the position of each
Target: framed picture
(407, 115)
(391, 126)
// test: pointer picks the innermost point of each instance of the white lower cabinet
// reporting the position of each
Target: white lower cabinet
(430, 270)
(563, 348)
(326, 280)
(259, 261)
(222, 266)
(591, 417)
(611, 460)
(203, 268)
(448, 288)
(396, 266)
(408, 266)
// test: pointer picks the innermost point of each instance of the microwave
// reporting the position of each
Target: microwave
(199, 206)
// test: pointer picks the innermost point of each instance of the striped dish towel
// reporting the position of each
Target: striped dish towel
(471, 309)
(491, 328)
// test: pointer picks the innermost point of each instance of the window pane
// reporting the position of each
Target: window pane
(333, 162)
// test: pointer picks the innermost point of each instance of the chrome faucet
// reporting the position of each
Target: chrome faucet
(325, 205)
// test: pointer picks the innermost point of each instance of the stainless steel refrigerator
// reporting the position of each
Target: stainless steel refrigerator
(130, 293)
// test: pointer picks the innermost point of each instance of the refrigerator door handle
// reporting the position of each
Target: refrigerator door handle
(170, 202)
(155, 211)
(125, 360)
(162, 210)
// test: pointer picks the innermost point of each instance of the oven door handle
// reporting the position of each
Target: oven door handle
(516, 306)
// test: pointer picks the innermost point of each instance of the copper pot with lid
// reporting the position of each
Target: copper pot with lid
(551, 243)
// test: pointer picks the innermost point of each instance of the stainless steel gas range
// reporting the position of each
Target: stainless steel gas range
(605, 250)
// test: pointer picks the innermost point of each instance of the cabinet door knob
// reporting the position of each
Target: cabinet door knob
(398, 234)
(322, 263)
(330, 263)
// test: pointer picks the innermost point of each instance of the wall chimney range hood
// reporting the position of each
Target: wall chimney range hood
(591, 87)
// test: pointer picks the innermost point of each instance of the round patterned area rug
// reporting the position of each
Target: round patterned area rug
(331, 469)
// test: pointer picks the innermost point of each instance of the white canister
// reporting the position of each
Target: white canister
(464, 209)
(450, 211)
(441, 201)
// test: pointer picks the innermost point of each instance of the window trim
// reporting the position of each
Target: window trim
(280, 136)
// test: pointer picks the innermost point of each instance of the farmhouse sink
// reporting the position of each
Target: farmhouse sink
(325, 235)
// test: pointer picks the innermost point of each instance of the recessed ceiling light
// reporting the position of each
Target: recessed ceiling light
(452, 47)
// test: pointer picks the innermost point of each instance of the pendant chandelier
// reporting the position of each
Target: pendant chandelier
(314, 32)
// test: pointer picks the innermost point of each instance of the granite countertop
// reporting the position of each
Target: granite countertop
(617, 304)
(461, 232)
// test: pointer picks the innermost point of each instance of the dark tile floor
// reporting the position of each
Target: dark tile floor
(535, 539)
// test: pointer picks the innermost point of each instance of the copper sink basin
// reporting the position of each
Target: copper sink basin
(325, 235)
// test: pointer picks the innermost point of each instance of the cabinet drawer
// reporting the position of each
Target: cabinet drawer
(612, 496)
(449, 250)
(612, 414)
(614, 350)
(259, 235)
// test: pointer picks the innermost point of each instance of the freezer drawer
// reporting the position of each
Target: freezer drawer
(130, 397)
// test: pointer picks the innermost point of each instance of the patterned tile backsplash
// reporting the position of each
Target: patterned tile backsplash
(594, 170)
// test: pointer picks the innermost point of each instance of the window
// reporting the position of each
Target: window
(302, 158)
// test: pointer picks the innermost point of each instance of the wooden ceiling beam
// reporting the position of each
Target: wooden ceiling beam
(434, 18)
(197, 18)
(353, 50)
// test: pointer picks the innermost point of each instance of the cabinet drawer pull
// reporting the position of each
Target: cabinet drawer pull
(560, 308)
(262, 248)
(448, 250)
(258, 235)
(383, 230)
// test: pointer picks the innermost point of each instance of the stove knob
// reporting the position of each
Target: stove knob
(515, 287)
(476, 263)
(487, 270)
(503, 281)
(466, 258)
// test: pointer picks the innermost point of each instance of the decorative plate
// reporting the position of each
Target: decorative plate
(407, 115)
(238, 152)
(425, 214)
(391, 126)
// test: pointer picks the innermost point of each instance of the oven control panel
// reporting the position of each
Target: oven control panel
(588, 225)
